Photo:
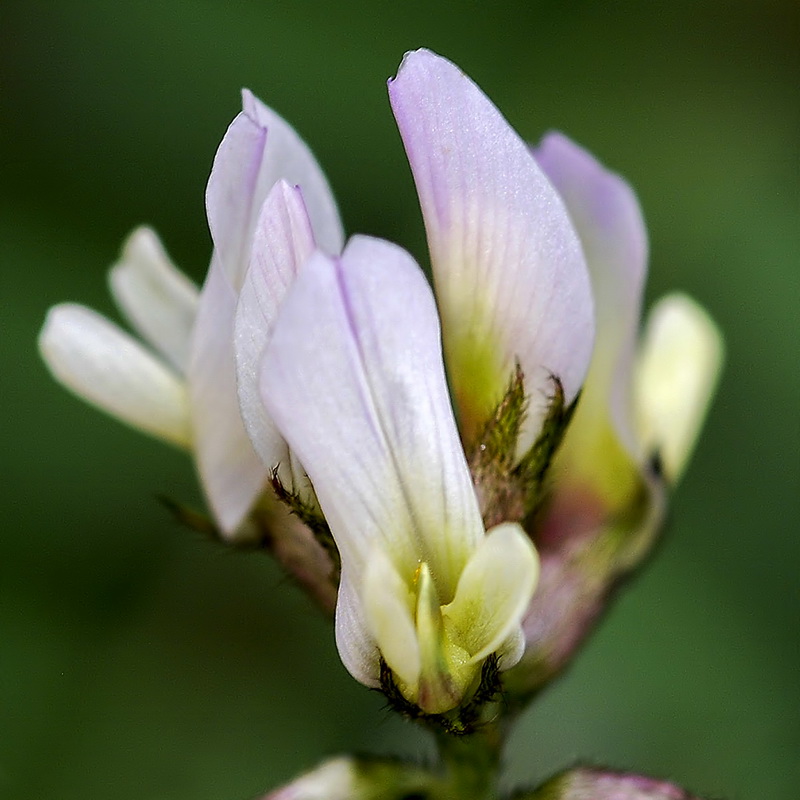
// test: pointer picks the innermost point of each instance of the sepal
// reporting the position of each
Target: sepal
(511, 488)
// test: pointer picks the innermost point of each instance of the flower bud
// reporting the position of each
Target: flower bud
(598, 784)
(347, 778)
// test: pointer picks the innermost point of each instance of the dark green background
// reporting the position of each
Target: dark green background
(138, 661)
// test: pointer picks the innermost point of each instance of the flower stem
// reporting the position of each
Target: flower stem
(470, 763)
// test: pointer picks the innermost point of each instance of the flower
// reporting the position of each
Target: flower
(185, 392)
(353, 378)
(324, 373)
(258, 151)
(508, 231)
(641, 408)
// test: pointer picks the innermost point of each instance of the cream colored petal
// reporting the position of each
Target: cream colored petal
(109, 369)
(493, 592)
(388, 607)
(677, 369)
(157, 298)
(446, 670)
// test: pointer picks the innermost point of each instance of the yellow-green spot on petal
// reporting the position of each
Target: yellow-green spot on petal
(477, 376)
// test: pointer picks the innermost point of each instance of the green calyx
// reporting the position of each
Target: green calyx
(511, 488)
(470, 717)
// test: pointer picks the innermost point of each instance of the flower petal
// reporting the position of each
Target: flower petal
(388, 609)
(157, 298)
(510, 277)
(259, 149)
(493, 592)
(354, 380)
(109, 369)
(354, 639)
(230, 471)
(357, 342)
(676, 373)
(608, 220)
(282, 242)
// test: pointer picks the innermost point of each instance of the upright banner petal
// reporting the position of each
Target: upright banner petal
(259, 149)
(354, 379)
(510, 278)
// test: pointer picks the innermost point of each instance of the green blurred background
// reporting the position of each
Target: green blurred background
(139, 661)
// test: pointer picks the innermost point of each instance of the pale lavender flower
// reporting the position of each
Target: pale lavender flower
(259, 150)
(181, 384)
(353, 377)
(641, 408)
(141, 384)
(354, 382)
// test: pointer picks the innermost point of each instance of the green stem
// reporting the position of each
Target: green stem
(470, 763)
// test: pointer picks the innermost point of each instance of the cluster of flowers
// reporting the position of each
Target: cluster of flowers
(468, 526)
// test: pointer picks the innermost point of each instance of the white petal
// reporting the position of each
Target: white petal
(607, 217)
(388, 607)
(354, 639)
(676, 373)
(510, 277)
(258, 150)
(282, 243)
(230, 471)
(106, 367)
(155, 296)
(354, 380)
(493, 593)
